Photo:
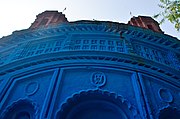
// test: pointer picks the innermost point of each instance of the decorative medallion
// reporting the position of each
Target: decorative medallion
(31, 88)
(98, 79)
(165, 95)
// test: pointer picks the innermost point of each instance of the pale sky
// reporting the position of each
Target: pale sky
(19, 14)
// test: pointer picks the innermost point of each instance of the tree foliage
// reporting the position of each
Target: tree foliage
(171, 12)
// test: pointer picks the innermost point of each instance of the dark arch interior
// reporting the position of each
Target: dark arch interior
(22, 115)
(95, 105)
(96, 109)
(169, 113)
(21, 110)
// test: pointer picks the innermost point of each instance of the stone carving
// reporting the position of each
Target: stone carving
(98, 79)
(31, 88)
(165, 95)
(160, 56)
(82, 44)
(58, 44)
(35, 48)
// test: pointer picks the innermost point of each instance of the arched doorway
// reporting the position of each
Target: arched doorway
(97, 104)
(22, 109)
(169, 113)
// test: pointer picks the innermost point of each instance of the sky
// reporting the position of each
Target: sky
(19, 14)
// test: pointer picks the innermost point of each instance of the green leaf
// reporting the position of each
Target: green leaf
(170, 11)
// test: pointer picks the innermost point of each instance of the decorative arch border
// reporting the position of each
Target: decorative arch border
(15, 104)
(82, 96)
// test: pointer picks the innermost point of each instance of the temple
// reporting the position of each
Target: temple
(58, 69)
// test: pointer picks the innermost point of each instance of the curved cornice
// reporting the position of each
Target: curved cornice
(123, 32)
(92, 26)
(65, 59)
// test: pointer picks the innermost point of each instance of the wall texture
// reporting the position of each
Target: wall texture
(89, 70)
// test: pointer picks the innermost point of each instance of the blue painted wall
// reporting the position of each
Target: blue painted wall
(89, 70)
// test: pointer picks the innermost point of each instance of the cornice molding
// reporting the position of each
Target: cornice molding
(92, 26)
(126, 61)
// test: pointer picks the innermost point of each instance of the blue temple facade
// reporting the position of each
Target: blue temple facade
(89, 70)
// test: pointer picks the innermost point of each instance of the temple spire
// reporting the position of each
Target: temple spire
(48, 18)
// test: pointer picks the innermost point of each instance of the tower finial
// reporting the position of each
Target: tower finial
(131, 14)
(64, 9)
